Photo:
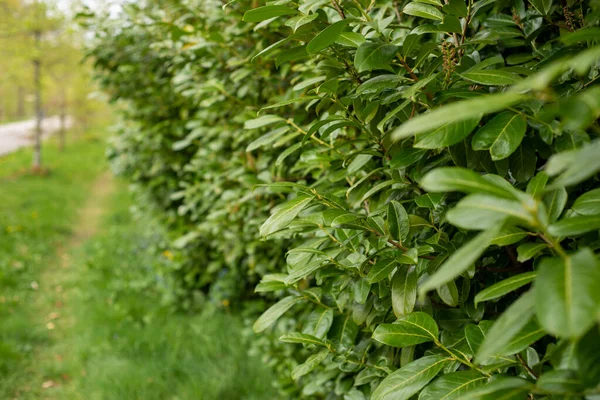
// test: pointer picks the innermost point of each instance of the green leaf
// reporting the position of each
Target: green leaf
(531, 333)
(527, 251)
(574, 166)
(402, 384)
(587, 351)
(423, 11)
(281, 218)
(381, 270)
(262, 121)
(318, 322)
(302, 338)
(269, 317)
(575, 225)
(309, 365)
(372, 56)
(453, 385)
(504, 287)
(326, 37)
(523, 162)
(567, 295)
(481, 211)
(456, 7)
(560, 381)
(404, 291)
(475, 334)
(446, 135)
(448, 179)
(267, 138)
(288, 102)
(507, 326)
(412, 329)
(555, 201)
(454, 112)
(459, 261)
(267, 12)
(588, 203)
(492, 77)
(501, 135)
(451, 24)
(398, 222)
(509, 235)
(502, 388)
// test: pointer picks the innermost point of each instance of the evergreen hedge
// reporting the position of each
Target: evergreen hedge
(410, 185)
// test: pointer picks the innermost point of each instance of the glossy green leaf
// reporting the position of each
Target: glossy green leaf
(459, 261)
(501, 135)
(575, 225)
(567, 296)
(269, 317)
(326, 37)
(374, 56)
(491, 77)
(302, 338)
(446, 135)
(398, 222)
(463, 180)
(453, 385)
(404, 291)
(310, 364)
(267, 12)
(381, 270)
(527, 251)
(588, 203)
(284, 215)
(504, 287)
(501, 388)
(408, 380)
(409, 330)
(480, 211)
(423, 11)
(507, 326)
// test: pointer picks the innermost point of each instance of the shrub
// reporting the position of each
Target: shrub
(428, 169)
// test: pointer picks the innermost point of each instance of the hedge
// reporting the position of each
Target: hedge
(410, 187)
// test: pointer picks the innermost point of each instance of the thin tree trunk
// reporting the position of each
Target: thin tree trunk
(20, 102)
(37, 81)
(63, 119)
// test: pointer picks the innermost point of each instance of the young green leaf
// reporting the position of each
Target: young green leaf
(504, 387)
(501, 135)
(269, 317)
(567, 296)
(504, 287)
(284, 215)
(527, 251)
(408, 380)
(267, 12)
(423, 11)
(372, 56)
(412, 329)
(453, 386)
(446, 135)
(507, 326)
(588, 203)
(449, 179)
(404, 291)
(302, 338)
(459, 261)
(326, 37)
(398, 222)
(309, 365)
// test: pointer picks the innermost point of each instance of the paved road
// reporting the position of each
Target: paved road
(20, 134)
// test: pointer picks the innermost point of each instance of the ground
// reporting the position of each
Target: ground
(79, 299)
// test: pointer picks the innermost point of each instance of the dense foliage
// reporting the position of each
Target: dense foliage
(414, 182)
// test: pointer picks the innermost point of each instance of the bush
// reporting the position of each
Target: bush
(427, 169)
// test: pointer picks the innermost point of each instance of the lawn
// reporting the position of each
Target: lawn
(80, 309)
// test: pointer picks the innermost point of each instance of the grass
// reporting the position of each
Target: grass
(80, 317)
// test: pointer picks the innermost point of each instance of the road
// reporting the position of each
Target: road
(20, 134)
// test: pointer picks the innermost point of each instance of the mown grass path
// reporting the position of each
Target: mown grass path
(59, 281)
(81, 287)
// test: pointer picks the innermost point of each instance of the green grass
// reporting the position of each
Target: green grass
(113, 339)
(36, 215)
(132, 348)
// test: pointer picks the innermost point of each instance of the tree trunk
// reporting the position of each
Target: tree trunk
(37, 81)
(63, 119)
(20, 102)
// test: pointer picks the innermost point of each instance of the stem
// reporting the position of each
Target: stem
(527, 367)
